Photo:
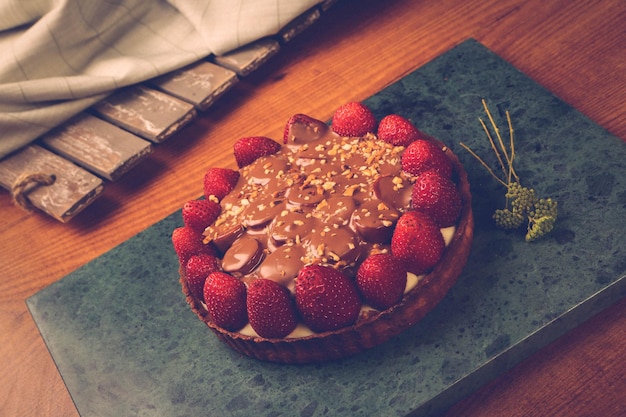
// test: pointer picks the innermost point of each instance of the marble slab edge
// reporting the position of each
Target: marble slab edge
(526, 347)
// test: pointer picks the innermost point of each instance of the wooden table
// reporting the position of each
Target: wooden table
(575, 48)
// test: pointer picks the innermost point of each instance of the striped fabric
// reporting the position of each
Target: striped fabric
(59, 57)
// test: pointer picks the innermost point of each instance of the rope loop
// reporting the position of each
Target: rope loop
(24, 183)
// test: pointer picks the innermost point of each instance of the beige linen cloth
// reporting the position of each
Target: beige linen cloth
(59, 57)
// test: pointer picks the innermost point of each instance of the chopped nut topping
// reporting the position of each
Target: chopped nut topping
(312, 173)
(349, 192)
(329, 185)
(322, 204)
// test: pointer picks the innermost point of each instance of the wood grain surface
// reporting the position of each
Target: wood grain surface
(574, 48)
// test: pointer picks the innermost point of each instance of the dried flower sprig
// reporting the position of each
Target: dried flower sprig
(521, 203)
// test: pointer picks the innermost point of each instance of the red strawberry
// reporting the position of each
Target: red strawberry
(398, 131)
(424, 155)
(198, 214)
(326, 298)
(271, 309)
(353, 119)
(417, 242)
(197, 268)
(437, 196)
(225, 299)
(247, 150)
(219, 182)
(311, 128)
(188, 242)
(381, 280)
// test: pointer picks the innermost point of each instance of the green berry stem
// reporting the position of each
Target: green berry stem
(511, 147)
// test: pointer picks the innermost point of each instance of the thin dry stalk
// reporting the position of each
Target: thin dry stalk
(483, 163)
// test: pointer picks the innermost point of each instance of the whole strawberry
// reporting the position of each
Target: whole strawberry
(199, 214)
(424, 155)
(301, 124)
(437, 196)
(417, 242)
(197, 269)
(249, 149)
(353, 119)
(381, 279)
(218, 182)
(326, 298)
(188, 242)
(225, 299)
(271, 308)
(398, 131)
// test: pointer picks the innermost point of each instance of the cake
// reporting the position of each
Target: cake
(329, 243)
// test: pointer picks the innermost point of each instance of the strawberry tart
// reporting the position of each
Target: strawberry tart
(329, 243)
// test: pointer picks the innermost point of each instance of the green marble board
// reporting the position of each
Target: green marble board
(126, 344)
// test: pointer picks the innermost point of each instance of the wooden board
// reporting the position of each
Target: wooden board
(328, 4)
(248, 58)
(158, 108)
(98, 146)
(146, 112)
(200, 84)
(73, 189)
(299, 24)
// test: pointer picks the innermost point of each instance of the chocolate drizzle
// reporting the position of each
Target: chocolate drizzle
(321, 199)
